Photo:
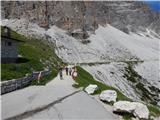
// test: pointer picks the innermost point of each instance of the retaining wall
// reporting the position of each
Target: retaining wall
(11, 85)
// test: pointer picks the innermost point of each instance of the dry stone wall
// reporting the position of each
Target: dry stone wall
(11, 85)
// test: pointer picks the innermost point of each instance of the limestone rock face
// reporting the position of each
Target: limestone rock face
(125, 15)
(137, 109)
(108, 95)
(90, 89)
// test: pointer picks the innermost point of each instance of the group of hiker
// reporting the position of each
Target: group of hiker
(70, 71)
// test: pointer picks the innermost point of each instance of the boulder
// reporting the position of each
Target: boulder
(158, 102)
(141, 111)
(123, 106)
(108, 95)
(90, 89)
(137, 109)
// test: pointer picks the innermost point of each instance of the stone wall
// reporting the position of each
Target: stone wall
(11, 85)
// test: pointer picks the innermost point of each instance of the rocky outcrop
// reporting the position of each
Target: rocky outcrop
(108, 95)
(137, 109)
(90, 89)
(127, 16)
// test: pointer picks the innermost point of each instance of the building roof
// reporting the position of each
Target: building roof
(6, 33)
(2, 36)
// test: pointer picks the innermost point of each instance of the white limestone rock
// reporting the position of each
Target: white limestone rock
(90, 89)
(141, 111)
(108, 95)
(123, 106)
(158, 103)
(137, 109)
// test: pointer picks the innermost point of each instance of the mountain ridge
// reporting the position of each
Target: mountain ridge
(128, 16)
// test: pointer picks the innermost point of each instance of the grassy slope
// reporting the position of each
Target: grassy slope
(84, 79)
(154, 110)
(39, 55)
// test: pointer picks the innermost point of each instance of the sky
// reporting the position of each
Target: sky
(154, 5)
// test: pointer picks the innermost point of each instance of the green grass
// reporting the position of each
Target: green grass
(131, 74)
(127, 116)
(38, 54)
(154, 110)
(13, 71)
(146, 95)
(45, 79)
(84, 79)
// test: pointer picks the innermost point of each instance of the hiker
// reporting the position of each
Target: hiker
(66, 70)
(74, 74)
(60, 73)
(70, 71)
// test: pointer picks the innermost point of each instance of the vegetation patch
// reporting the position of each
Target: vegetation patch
(13, 71)
(154, 110)
(84, 79)
(36, 55)
(128, 116)
(131, 74)
(146, 95)
(45, 79)
(154, 89)
(125, 115)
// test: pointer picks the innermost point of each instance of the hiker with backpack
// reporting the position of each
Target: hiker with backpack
(61, 73)
(66, 70)
(74, 74)
(70, 71)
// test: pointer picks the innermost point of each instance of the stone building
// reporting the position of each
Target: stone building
(9, 52)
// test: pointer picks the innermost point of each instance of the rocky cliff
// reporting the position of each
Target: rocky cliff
(126, 16)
